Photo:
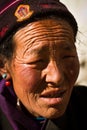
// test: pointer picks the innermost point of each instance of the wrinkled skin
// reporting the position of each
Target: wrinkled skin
(44, 67)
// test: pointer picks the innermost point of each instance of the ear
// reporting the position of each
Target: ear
(4, 68)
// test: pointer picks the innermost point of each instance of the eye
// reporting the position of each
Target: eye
(38, 64)
(37, 61)
(68, 57)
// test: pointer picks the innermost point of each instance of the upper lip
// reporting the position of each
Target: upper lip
(53, 93)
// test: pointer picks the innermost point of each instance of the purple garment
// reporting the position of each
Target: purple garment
(16, 117)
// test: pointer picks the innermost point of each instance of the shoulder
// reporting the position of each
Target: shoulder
(80, 92)
(4, 123)
(79, 98)
(78, 106)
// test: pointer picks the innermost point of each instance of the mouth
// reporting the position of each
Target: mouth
(53, 97)
(53, 94)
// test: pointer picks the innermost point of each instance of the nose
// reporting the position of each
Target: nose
(53, 73)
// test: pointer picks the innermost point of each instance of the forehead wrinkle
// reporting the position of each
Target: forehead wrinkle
(41, 29)
(52, 29)
(30, 39)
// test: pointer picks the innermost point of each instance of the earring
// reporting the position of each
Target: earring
(7, 83)
(18, 104)
(4, 76)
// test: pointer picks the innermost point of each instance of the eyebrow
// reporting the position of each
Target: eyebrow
(39, 50)
(67, 46)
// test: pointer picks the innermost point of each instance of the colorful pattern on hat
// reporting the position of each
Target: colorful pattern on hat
(23, 12)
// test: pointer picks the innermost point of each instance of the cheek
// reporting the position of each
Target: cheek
(26, 78)
(72, 70)
(31, 78)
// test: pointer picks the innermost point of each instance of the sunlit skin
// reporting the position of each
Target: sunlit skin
(44, 67)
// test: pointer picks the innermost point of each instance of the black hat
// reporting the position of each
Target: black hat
(15, 12)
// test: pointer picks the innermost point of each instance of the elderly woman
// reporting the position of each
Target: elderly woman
(39, 67)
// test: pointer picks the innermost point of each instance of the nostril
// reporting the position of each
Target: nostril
(54, 77)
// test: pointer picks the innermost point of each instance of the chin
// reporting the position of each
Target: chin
(53, 113)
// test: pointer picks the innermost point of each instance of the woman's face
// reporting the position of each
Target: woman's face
(44, 67)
